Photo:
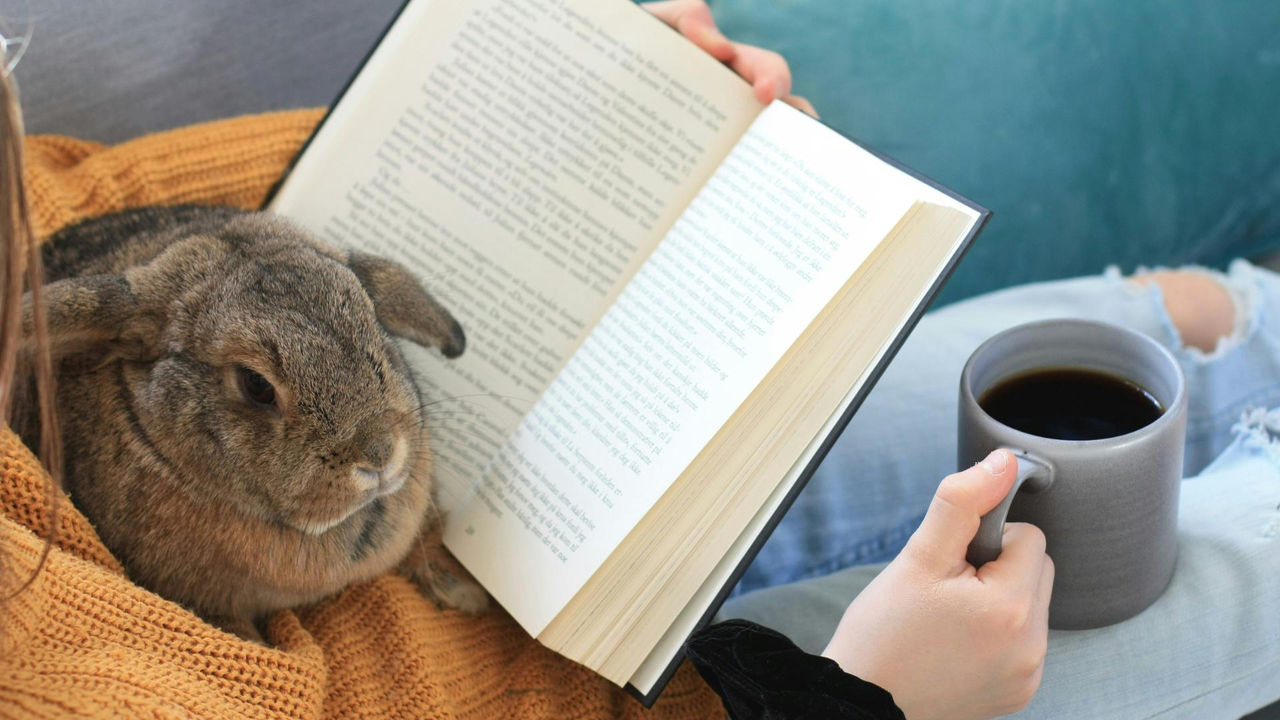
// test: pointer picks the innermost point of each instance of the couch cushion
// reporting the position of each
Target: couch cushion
(1098, 131)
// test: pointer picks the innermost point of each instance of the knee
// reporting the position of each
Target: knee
(1200, 307)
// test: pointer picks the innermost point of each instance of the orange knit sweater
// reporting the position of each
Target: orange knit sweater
(83, 640)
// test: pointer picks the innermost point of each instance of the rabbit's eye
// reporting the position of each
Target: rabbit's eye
(256, 388)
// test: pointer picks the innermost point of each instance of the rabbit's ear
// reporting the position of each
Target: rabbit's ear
(404, 308)
(95, 312)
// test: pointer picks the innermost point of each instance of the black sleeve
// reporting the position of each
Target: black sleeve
(761, 675)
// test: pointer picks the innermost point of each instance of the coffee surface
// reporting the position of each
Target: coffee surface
(1070, 404)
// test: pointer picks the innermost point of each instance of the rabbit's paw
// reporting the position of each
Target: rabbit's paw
(449, 588)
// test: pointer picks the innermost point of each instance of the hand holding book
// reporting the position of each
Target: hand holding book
(767, 71)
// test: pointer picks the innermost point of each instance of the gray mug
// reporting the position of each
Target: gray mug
(1108, 507)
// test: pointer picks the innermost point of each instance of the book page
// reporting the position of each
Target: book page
(912, 262)
(761, 250)
(522, 157)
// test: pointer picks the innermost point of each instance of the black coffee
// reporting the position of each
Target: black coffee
(1070, 404)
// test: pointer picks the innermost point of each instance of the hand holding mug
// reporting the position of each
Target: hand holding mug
(945, 639)
(1097, 415)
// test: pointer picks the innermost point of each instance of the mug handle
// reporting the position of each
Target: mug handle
(1034, 475)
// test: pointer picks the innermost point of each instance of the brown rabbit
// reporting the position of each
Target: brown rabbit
(239, 424)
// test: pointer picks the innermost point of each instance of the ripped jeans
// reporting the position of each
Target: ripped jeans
(1208, 648)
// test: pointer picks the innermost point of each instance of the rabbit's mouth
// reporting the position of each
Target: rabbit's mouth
(351, 488)
(334, 497)
(320, 523)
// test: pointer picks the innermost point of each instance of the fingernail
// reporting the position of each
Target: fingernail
(996, 462)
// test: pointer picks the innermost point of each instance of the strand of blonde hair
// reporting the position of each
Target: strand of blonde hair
(19, 256)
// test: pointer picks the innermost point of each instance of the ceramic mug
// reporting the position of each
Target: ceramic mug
(1108, 507)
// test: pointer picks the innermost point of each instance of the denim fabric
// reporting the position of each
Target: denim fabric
(872, 490)
(1209, 647)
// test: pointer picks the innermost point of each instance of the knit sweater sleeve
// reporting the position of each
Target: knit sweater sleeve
(760, 674)
(228, 162)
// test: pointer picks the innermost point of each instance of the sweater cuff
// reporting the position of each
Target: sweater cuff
(759, 673)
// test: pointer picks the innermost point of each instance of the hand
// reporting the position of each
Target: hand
(948, 640)
(767, 71)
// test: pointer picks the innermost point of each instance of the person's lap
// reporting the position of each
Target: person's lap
(1209, 637)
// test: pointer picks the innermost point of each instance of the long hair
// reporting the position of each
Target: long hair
(23, 349)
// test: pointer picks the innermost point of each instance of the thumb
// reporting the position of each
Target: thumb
(957, 508)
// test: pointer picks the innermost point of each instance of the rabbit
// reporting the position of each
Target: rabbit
(239, 425)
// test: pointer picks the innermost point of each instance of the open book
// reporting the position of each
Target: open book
(673, 298)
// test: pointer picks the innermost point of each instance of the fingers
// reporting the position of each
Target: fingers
(1038, 625)
(694, 20)
(767, 71)
(1023, 578)
(1021, 562)
(801, 104)
(1043, 592)
(957, 509)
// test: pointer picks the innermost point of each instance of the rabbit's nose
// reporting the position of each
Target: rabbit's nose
(367, 479)
(377, 482)
(381, 467)
(377, 454)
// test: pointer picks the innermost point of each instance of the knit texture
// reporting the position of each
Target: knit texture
(83, 640)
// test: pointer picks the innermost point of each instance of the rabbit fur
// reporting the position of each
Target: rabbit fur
(232, 497)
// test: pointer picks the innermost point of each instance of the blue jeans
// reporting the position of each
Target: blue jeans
(1209, 647)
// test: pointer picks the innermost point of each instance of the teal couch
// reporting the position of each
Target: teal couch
(1098, 131)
